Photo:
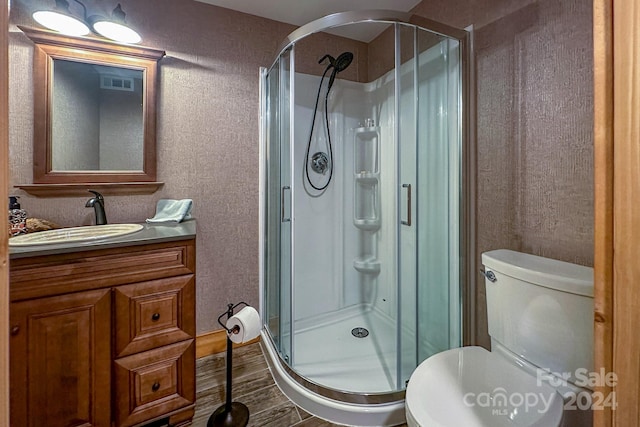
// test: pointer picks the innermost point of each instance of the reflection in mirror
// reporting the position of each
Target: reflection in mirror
(96, 117)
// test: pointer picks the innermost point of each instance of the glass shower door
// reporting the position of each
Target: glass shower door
(277, 259)
(286, 208)
(429, 168)
(407, 223)
(439, 106)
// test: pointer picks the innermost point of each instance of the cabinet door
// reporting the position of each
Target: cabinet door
(60, 360)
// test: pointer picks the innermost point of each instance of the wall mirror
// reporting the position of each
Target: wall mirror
(94, 115)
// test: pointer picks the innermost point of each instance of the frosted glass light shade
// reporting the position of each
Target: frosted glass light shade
(62, 23)
(117, 32)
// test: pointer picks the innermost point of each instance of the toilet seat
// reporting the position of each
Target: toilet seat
(473, 387)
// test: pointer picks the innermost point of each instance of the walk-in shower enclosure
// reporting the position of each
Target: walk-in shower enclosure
(364, 201)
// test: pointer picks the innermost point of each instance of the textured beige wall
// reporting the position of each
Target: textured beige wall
(534, 126)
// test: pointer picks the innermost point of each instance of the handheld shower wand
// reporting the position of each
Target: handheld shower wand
(320, 163)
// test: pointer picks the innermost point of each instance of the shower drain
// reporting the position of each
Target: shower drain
(359, 332)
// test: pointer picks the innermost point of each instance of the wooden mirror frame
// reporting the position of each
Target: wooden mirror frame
(50, 46)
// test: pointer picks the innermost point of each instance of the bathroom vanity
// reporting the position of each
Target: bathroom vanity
(103, 333)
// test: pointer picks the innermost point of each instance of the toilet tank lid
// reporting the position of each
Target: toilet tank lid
(550, 273)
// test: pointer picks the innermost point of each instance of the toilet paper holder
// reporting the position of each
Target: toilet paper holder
(230, 414)
(229, 313)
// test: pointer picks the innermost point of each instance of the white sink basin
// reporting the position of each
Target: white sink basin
(74, 234)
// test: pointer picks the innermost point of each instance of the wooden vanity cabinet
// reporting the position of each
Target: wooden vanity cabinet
(104, 337)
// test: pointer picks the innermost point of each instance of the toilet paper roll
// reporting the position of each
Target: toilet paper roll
(248, 322)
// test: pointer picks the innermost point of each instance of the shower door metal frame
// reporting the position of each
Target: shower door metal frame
(343, 18)
(467, 197)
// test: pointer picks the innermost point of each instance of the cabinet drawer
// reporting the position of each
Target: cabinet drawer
(152, 314)
(154, 382)
(65, 273)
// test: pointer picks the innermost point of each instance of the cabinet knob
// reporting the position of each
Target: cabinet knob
(155, 316)
(15, 329)
(155, 386)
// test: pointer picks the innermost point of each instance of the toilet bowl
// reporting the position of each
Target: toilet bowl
(471, 387)
(540, 320)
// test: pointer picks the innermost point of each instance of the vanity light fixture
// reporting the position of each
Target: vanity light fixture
(61, 20)
(114, 28)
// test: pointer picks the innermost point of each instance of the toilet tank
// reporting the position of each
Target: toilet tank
(541, 309)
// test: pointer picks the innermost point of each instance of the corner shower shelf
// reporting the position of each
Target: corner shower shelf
(367, 224)
(367, 265)
(368, 130)
(367, 178)
(366, 194)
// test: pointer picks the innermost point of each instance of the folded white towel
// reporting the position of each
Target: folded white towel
(169, 210)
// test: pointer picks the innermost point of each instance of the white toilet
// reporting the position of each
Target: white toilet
(540, 314)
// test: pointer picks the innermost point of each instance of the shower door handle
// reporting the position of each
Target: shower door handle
(283, 215)
(408, 221)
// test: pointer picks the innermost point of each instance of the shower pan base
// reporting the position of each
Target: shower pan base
(355, 414)
(343, 361)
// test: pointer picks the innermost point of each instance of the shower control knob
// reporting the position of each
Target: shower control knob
(319, 163)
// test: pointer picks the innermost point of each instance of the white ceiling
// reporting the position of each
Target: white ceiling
(300, 12)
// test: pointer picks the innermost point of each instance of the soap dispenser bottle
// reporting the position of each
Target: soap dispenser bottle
(17, 217)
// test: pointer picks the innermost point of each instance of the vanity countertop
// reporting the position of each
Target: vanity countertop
(151, 233)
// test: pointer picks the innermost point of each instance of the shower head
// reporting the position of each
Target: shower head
(339, 64)
(343, 61)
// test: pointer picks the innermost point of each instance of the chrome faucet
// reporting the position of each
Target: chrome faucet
(97, 203)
